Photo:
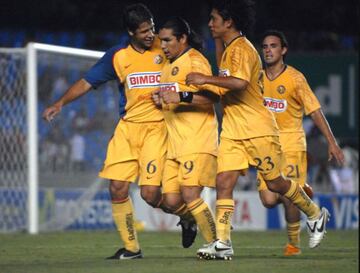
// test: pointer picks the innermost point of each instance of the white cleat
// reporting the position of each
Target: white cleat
(317, 228)
(216, 250)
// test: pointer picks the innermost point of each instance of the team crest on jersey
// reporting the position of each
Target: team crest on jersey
(171, 86)
(275, 105)
(224, 72)
(174, 71)
(158, 59)
(143, 79)
(281, 89)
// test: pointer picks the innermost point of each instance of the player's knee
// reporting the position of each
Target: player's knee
(172, 201)
(269, 202)
(151, 195)
(119, 189)
(277, 185)
(269, 199)
(190, 193)
(190, 197)
(225, 183)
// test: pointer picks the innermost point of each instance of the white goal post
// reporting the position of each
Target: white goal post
(32, 50)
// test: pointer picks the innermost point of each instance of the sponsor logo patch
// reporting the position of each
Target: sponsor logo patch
(275, 105)
(143, 80)
(171, 86)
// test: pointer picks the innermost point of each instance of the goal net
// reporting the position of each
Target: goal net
(39, 159)
(13, 186)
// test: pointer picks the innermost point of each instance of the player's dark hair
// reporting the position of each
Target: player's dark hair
(180, 27)
(134, 15)
(242, 12)
(276, 33)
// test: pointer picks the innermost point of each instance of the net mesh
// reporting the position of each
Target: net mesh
(13, 183)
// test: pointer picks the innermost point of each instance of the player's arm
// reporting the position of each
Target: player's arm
(201, 97)
(226, 83)
(312, 107)
(100, 73)
(78, 89)
(334, 150)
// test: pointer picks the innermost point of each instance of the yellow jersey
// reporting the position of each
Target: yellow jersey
(289, 97)
(191, 128)
(245, 115)
(140, 75)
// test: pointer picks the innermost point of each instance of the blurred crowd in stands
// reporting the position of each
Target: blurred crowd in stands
(315, 41)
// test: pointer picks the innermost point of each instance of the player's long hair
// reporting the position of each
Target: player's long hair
(134, 15)
(242, 12)
(180, 27)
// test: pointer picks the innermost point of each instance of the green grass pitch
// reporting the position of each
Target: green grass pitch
(255, 252)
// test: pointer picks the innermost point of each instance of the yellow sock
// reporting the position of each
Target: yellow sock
(224, 212)
(293, 231)
(123, 215)
(204, 219)
(184, 213)
(297, 195)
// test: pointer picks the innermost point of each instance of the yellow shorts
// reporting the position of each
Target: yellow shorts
(295, 168)
(189, 170)
(136, 150)
(264, 153)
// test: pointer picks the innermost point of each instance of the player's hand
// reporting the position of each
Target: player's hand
(155, 96)
(195, 78)
(50, 112)
(335, 151)
(170, 97)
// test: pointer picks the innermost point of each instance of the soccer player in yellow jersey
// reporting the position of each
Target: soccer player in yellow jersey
(249, 132)
(288, 95)
(192, 127)
(138, 146)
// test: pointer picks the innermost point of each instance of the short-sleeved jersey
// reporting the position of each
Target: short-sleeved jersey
(139, 73)
(289, 97)
(245, 115)
(191, 128)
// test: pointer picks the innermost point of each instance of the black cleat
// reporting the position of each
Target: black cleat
(123, 254)
(189, 231)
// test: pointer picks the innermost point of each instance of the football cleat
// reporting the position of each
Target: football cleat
(317, 228)
(124, 254)
(291, 250)
(189, 231)
(217, 249)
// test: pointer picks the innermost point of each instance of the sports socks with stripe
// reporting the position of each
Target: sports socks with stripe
(204, 219)
(224, 213)
(123, 215)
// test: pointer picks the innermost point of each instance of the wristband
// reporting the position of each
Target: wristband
(186, 96)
